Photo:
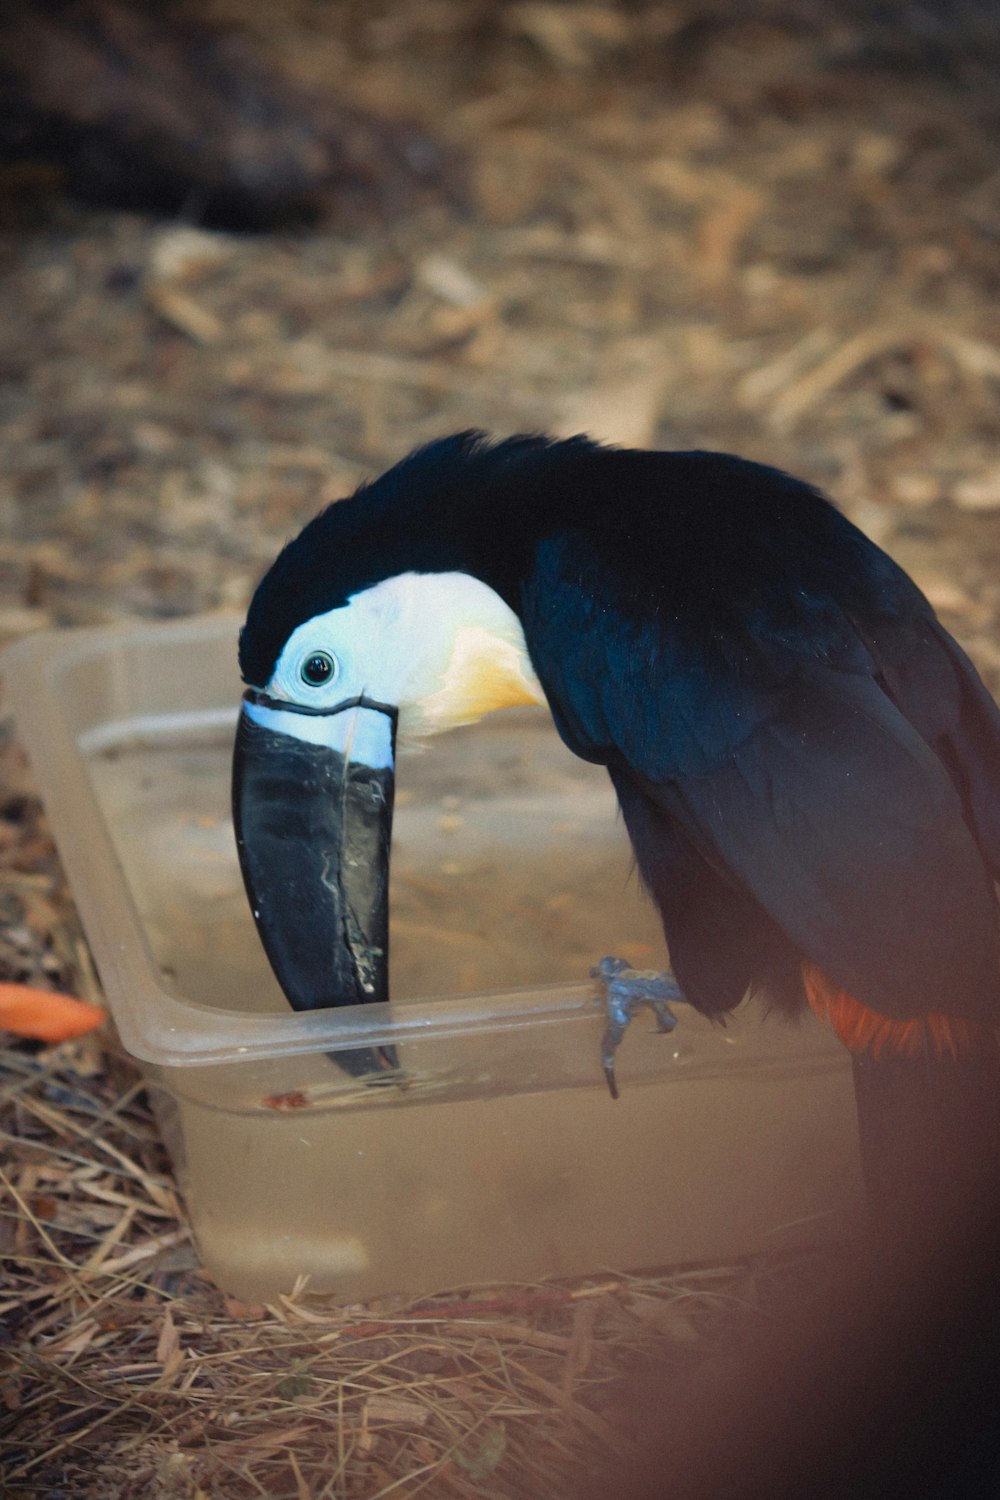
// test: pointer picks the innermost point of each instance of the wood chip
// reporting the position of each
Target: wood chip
(978, 491)
(183, 313)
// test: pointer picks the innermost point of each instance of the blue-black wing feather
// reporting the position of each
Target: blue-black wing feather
(809, 766)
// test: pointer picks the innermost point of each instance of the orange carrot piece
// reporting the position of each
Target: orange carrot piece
(45, 1016)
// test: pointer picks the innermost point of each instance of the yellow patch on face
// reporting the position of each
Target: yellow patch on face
(485, 672)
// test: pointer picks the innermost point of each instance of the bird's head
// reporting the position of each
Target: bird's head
(369, 620)
(441, 649)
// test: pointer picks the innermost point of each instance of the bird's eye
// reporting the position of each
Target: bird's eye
(318, 668)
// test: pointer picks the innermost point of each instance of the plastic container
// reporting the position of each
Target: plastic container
(502, 1156)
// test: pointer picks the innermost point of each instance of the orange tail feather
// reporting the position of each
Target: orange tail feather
(865, 1030)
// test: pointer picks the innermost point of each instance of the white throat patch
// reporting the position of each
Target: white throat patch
(442, 647)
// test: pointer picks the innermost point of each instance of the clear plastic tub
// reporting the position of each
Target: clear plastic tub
(502, 1156)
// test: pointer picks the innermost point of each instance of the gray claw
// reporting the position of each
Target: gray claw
(626, 990)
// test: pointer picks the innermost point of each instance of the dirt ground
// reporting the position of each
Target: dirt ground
(772, 229)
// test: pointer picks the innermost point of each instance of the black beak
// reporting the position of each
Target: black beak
(312, 809)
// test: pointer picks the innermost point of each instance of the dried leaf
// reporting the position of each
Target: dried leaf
(396, 1409)
(302, 1489)
(480, 1459)
(297, 1383)
(282, 1437)
(144, 1251)
(183, 313)
(75, 1341)
(168, 1344)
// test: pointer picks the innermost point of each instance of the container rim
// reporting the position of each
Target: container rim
(155, 1025)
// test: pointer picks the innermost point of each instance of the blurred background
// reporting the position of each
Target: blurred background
(251, 253)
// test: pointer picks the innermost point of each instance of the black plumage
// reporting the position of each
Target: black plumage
(807, 763)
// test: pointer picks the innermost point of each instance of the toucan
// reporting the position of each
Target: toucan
(806, 762)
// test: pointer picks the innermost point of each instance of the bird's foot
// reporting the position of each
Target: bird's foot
(626, 989)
